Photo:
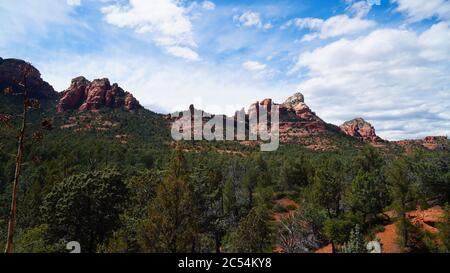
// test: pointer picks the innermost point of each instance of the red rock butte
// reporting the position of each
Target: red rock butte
(84, 95)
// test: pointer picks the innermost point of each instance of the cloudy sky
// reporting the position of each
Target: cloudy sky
(387, 61)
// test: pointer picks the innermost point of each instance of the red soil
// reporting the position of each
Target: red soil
(425, 219)
(285, 202)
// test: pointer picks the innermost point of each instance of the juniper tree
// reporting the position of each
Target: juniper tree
(85, 208)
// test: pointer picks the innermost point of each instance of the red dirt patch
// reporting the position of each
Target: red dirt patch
(426, 219)
(325, 249)
(388, 239)
(285, 202)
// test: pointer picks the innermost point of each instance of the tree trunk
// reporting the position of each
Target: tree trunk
(19, 157)
(217, 241)
(333, 247)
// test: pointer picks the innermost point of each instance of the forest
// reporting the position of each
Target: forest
(146, 195)
(116, 182)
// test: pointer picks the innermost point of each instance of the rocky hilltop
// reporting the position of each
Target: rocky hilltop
(298, 123)
(296, 118)
(360, 129)
(85, 95)
(11, 75)
(430, 143)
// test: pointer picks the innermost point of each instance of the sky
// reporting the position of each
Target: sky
(387, 61)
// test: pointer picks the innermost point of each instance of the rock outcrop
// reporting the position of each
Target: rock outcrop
(431, 143)
(91, 96)
(297, 119)
(360, 129)
(11, 75)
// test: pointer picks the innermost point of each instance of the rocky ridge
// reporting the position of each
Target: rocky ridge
(85, 95)
(11, 76)
(360, 129)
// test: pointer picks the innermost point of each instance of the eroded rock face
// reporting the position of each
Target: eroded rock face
(361, 129)
(90, 96)
(294, 100)
(296, 118)
(74, 96)
(11, 74)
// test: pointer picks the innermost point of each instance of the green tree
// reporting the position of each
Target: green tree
(367, 194)
(368, 160)
(142, 191)
(208, 182)
(172, 224)
(85, 208)
(337, 231)
(433, 171)
(444, 230)
(230, 199)
(35, 240)
(327, 192)
(254, 233)
(295, 173)
(258, 178)
(402, 189)
(328, 187)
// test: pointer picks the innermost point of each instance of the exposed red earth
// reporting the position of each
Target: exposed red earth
(424, 219)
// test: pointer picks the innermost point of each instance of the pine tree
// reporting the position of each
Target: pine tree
(401, 181)
(171, 227)
(229, 199)
(254, 234)
(295, 173)
(368, 194)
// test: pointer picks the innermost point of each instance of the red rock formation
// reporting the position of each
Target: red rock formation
(90, 96)
(11, 75)
(361, 129)
(431, 143)
(296, 118)
(74, 96)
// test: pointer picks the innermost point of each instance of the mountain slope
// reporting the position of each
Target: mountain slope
(111, 112)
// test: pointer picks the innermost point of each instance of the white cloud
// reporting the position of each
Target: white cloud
(183, 52)
(165, 86)
(397, 79)
(74, 2)
(208, 5)
(358, 9)
(417, 10)
(20, 20)
(251, 19)
(254, 66)
(335, 26)
(167, 21)
(260, 70)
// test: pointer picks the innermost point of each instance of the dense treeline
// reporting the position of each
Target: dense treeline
(137, 198)
(129, 189)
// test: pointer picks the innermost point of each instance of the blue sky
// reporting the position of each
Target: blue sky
(387, 62)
